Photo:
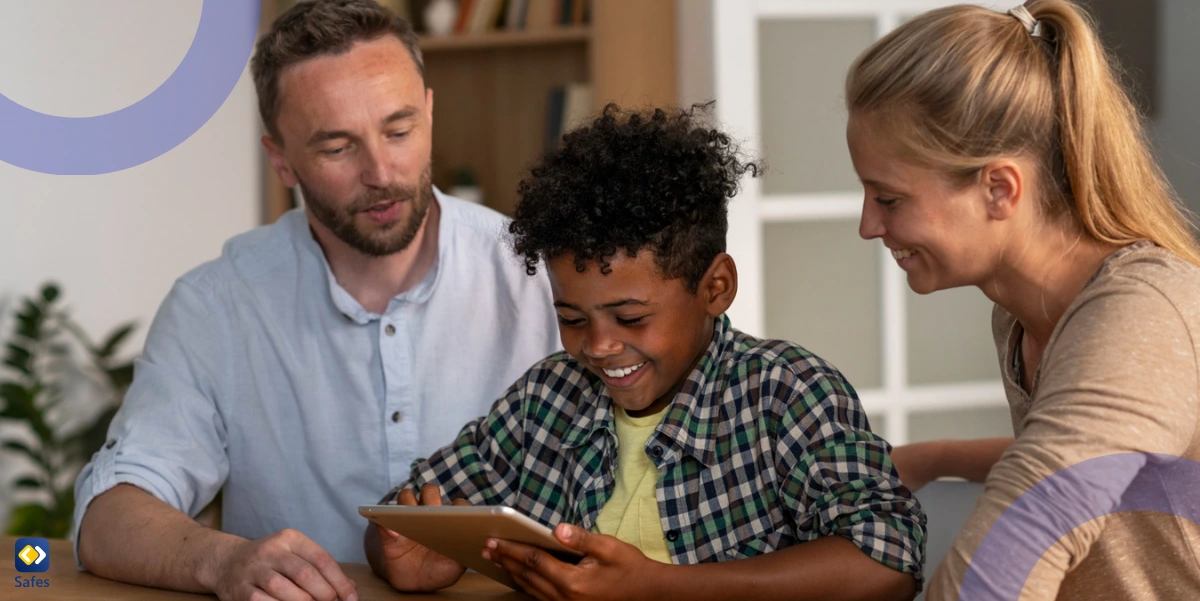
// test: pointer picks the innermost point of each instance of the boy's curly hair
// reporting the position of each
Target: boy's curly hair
(629, 181)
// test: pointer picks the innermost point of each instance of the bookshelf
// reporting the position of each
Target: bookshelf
(491, 89)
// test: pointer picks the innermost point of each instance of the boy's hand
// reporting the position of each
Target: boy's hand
(610, 569)
(412, 567)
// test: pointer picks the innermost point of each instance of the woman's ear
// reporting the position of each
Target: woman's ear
(1005, 188)
(718, 287)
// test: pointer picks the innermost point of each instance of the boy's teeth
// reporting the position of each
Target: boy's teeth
(901, 254)
(624, 371)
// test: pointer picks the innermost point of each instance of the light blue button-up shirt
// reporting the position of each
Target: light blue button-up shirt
(262, 375)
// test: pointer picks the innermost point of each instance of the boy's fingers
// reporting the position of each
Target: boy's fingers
(532, 559)
(460, 502)
(530, 579)
(431, 494)
(406, 497)
(386, 534)
(574, 537)
(537, 586)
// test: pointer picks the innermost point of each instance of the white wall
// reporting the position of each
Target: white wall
(694, 40)
(115, 242)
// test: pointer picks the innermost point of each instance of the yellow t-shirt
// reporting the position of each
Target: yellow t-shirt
(631, 513)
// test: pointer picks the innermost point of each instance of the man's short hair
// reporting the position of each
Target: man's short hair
(315, 28)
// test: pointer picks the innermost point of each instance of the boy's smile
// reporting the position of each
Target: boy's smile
(640, 333)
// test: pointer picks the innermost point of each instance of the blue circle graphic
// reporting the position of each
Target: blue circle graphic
(153, 125)
(1068, 499)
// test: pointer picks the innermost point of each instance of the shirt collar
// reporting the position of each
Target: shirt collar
(694, 418)
(342, 300)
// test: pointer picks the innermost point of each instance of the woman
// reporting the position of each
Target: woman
(998, 150)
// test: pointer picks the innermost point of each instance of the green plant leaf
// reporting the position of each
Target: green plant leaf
(50, 292)
(17, 400)
(29, 326)
(110, 346)
(28, 482)
(121, 376)
(18, 358)
(22, 448)
(27, 520)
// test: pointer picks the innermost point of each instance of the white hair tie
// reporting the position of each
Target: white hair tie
(1033, 26)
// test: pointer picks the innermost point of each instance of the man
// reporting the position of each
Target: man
(306, 368)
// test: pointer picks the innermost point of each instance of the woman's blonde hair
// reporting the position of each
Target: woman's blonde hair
(964, 85)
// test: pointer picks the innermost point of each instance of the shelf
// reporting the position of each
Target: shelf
(504, 39)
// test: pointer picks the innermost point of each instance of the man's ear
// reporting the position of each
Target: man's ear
(429, 105)
(279, 163)
(718, 287)
(1005, 188)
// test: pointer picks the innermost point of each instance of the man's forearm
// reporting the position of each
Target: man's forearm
(827, 568)
(129, 535)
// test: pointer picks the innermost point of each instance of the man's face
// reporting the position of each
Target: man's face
(356, 131)
(640, 333)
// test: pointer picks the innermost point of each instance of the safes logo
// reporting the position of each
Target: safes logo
(32, 555)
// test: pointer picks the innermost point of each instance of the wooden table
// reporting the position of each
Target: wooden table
(69, 584)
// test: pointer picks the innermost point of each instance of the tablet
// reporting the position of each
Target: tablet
(460, 532)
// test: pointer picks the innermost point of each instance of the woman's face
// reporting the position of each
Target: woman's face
(939, 233)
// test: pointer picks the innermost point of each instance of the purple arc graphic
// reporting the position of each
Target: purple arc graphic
(1064, 501)
(153, 125)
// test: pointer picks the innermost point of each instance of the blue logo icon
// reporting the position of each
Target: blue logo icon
(31, 555)
(150, 127)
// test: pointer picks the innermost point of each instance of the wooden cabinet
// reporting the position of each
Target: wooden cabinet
(491, 90)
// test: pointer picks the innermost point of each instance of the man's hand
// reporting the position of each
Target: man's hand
(411, 567)
(610, 569)
(283, 566)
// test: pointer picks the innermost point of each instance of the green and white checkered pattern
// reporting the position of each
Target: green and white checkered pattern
(766, 446)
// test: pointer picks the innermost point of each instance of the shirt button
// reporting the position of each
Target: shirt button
(672, 535)
(397, 416)
(657, 452)
(390, 329)
(112, 442)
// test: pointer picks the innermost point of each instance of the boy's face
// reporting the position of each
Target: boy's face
(639, 332)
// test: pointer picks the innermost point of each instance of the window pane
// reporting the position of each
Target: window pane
(962, 424)
(950, 337)
(821, 286)
(803, 65)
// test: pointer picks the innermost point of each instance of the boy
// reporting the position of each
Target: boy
(662, 437)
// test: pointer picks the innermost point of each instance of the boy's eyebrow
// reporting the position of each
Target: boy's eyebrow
(612, 305)
(325, 135)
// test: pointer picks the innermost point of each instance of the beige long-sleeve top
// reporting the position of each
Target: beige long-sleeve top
(1119, 374)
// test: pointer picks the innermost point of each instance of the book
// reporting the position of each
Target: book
(514, 19)
(577, 106)
(464, 15)
(539, 14)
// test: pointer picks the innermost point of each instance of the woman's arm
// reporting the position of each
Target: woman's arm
(923, 462)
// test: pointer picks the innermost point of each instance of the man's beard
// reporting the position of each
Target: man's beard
(387, 239)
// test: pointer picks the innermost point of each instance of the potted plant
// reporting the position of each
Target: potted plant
(48, 361)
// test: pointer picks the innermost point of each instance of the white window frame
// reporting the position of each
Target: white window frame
(735, 65)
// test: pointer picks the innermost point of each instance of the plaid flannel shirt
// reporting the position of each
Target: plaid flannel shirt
(766, 446)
